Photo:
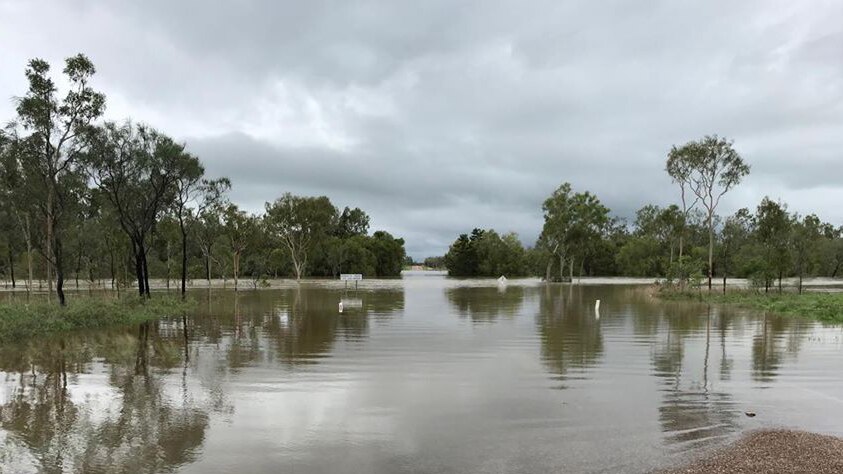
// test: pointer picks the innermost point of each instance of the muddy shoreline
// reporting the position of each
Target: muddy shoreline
(771, 451)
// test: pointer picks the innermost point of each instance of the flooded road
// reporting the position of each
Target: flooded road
(424, 374)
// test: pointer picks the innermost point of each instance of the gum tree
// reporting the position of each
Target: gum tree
(52, 134)
(709, 168)
(299, 223)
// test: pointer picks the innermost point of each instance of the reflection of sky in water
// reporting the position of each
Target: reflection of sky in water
(421, 375)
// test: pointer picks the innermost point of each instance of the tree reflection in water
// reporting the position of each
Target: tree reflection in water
(687, 338)
(99, 403)
(294, 327)
(571, 337)
(486, 303)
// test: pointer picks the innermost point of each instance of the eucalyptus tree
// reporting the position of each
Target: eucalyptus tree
(571, 222)
(207, 227)
(709, 167)
(299, 223)
(735, 234)
(239, 229)
(52, 134)
(772, 229)
(18, 193)
(805, 237)
(352, 222)
(665, 225)
(136, 168)
(194, 196)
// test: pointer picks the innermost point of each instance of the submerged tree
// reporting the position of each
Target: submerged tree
(299, 222)
(710, 168)
(239, 229)
(136, 168)
(572, 221)
(772, 227)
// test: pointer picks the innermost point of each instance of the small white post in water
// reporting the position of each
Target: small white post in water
(340, 306)
(597, 309)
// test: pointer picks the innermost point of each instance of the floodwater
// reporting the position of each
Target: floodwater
(421, 375)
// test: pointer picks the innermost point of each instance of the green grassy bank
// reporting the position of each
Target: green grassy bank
(820, 306)
(21, 320)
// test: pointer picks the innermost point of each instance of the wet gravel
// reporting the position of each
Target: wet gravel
(773, 451)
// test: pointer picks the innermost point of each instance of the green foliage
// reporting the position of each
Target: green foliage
(821, 306)
(708, 168)
(486, 253)
(23, 320)
(573, 222)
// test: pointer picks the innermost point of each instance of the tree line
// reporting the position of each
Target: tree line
(684, 242)
(85, 198)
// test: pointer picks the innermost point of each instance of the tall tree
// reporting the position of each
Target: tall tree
(299, 223)
(136, 168)
(805, 237)
(734, 235)
(710, 167)
(238, 227)
(772, 228)
(193, 196)
(52, 130)
(571, 222)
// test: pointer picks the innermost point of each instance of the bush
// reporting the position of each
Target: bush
(25, 320)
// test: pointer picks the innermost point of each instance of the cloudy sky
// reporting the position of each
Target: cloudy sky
(437, 117)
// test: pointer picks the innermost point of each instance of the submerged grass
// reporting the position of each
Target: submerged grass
(814, 305)
(22, 320)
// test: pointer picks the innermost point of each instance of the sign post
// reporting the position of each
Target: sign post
(347, 277)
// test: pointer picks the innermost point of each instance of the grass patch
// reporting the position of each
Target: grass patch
(820, 306)
(20, 320)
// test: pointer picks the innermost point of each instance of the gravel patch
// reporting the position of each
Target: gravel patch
(773, 451)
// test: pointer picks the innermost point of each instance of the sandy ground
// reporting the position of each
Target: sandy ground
(773, 451)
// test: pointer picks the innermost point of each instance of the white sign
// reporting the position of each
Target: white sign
(351, 302)
(351, 276)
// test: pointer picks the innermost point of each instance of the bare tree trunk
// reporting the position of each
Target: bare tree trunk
(208, 266)
(29, 258)
(59, 271)
(139, 268)
(236, 268)
(710, 250)
(561, 268)
(168, 266)
(145, 271)
(12, 266)
(49, 243)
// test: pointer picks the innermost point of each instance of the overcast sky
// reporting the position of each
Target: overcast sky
(436, 117)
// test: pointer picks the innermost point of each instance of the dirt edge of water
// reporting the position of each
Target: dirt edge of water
(768, 451)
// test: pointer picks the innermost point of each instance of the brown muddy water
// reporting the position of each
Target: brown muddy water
(421, 375)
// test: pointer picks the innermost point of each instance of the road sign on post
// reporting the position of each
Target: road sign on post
(347, 277)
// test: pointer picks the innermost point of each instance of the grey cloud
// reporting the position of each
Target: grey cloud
(437, 117)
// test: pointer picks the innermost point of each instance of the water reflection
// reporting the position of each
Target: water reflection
(486, 304)
(261, 379)
(296, 326)
(570, 331)
(98, 404)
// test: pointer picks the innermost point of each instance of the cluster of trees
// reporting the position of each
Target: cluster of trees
(486, 253)
(84, 198)
(681, 241)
